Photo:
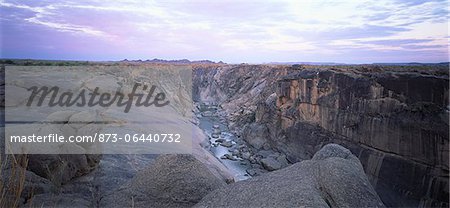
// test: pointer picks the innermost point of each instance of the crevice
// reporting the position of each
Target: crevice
(323, 192)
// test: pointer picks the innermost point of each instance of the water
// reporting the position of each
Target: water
(237, 168)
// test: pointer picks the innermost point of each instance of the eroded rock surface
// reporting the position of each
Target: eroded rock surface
(394, 119)
(333, 178)
(80, 179)
(396, 123)
(172, 181)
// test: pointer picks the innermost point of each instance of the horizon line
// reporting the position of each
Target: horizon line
(214, 61)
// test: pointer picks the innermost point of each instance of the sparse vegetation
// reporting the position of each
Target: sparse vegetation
(31, 62)
(438, 69)
(297, 67)
(12, 181)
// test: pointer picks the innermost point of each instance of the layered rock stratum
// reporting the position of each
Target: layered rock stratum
(393, 118)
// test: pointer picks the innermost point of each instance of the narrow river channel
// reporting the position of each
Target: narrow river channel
(217, 130)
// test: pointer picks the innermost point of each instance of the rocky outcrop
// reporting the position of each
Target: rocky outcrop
(333, 178)
(72, 178)
(394, 119)
(61, 168)
(396, 123)
(236, 87)
(172, 181)
(39, 178)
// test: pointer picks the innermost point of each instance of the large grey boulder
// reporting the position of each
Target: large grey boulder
(44, 176)
(172, 181)
(65, 167)
(60, 169)
(270, 164)
(333, 178)
(255, 135)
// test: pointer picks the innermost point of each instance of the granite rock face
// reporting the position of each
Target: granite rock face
(172, 181)
(62, 168)
(397, 123)
(395, 120)
(40, 177)
(333, 178)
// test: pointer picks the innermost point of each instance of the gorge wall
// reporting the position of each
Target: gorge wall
(395, 119)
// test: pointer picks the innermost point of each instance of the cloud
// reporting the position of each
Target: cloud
(234, 31)
(397, 41)
(40, 14)
(67, 27)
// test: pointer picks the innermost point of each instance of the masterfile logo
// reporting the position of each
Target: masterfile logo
(98, 109)
(94, 98)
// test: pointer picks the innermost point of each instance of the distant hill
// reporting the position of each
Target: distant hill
(308, 63)
(412, 64)
(181, 61)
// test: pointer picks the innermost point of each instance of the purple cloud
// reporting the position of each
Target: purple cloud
(232, 31)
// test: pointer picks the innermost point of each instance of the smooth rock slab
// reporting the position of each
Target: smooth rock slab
(333, 179)
(173, 181)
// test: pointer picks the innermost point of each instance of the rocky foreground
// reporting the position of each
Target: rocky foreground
(348, 136)
(333, 178)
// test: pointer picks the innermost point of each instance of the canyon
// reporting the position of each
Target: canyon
(283, 135)
(394, 119)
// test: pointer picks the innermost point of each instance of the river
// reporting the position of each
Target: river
(209, 120)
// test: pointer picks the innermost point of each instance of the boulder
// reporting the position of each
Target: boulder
(236, 152)
(270, 164)
(282, 160)
(256, 134)
(220, 140)
(60, 169)
(216, 131)
(246, 155)
(254, 171)
(207, 114)
(172, 181)
(333, 178)
(265, 153)
(228, 156)
(227, 144)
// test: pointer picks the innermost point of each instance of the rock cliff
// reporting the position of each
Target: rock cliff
(394, 119)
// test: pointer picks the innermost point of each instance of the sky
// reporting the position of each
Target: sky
(232, 31)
